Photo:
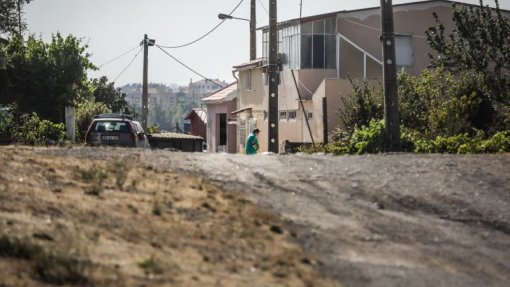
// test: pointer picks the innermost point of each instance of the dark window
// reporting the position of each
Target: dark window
(223, 129)
(318, 51)
(306, 51)
(330, 52)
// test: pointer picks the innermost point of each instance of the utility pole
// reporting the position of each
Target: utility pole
(253, 32)
(145, 95)
(272, 72)
(391, 112)
(19, 17)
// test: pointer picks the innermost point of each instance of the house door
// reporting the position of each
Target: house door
(223, 132)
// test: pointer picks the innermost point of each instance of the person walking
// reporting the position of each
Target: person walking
(252, 144)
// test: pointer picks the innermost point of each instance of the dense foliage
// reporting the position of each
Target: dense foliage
(479, 42)
(85, 112)
(36, 131)
(104, 92)
(43, 77)
(10, 12)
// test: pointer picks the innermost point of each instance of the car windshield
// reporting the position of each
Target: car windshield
(110, 126)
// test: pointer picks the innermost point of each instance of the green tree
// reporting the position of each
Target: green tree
(10, 12)
(479, 42)
(441, 102)
(85, 112)
(365, 105)
(44, 78)
(105, 92)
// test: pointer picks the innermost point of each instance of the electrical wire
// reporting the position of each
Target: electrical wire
(264, 7)
(130, 63)
(306, 89)
(205, 35)
(118, 57)
(377, 29)
(188, 67)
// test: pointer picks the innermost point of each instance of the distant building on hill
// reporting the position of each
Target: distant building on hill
(200, 89)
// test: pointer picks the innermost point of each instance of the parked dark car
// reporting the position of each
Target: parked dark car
(115, 130)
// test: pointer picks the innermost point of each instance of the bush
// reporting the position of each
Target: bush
(370, 139)
(153, 129)
(85, 112)
(367, 139)
(365, 104)
(34, 131)
(6, 122)
(464, 143)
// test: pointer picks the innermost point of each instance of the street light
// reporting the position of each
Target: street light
(225, 17)
(253, 36)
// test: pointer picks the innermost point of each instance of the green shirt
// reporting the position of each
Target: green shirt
(252, 144)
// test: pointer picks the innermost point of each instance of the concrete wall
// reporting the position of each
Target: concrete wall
(408, 20)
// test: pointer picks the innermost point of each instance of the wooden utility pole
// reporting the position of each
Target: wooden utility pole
(391, 112)
(19, 18)
(145, 95)
(253, 32)
(273, 145)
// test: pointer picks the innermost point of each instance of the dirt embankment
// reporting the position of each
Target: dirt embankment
(68, 220)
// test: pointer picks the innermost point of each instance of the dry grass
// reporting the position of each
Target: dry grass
(142, 226)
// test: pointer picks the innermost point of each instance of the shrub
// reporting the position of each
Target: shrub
(153, 129)
(464, 143)
(85, 112)
(365, 104)
(6, 123)
(500, 142)
(50, 268)
(34, 131)
(366, 139)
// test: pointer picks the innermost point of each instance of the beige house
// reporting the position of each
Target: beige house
(318, 55)
(221, 128)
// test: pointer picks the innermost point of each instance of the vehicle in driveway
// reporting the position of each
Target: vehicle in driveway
(115, 130)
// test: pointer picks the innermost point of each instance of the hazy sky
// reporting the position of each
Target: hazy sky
(113, 27)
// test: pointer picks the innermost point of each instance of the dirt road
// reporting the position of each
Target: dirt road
(377, 220)
(381, 220)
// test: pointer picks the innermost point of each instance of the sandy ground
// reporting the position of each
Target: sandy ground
(116, 220)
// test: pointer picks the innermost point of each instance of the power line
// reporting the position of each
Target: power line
(188, 67)
(123, 54)
(206, 34)
(377, 29)
(130, 63)
(264, 7)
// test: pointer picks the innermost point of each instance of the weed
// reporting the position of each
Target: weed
(55, 269)
(17, 249)
(151, 265)
(156, 210)
(95, 175)
(50, 268)
(120, 170)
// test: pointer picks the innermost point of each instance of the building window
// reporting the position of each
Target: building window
(404, 50)
(291, 115)
(246, 83)
(318, 45)
(283, 115)
(309, 115)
